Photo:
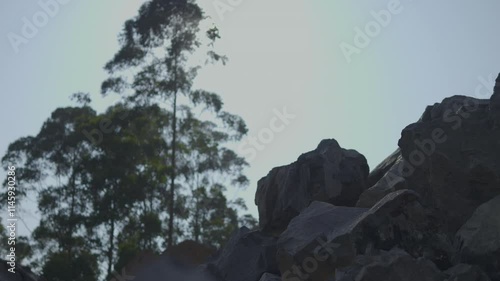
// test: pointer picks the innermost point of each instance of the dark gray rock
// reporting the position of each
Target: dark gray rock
(246, 256)
(330, 237)
(479, 238)
(329, 174)
(300, 246)
(391, 181)
(382, 168)
(401, 220)
(451, 157)
(270, 277)
(466, 272)
(495, 103)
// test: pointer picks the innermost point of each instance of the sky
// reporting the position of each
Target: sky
(298, 71)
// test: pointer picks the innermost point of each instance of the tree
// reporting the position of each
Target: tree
(53, 164)
(156, 46)
(125, 175)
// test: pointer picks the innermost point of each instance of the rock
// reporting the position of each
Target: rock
(20, 273)
(401, 220)
(246, 256)
(479, 238)
(382, 168)
(466, 272)
(190, 252)
(396, 265)
(329, 174)
(300, 246)
(451, 157)
(269, 277)
(495, 103)
(392, 180)
(324, 237)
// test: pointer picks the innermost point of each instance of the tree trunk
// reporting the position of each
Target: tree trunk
(172, 178)
(111, 242)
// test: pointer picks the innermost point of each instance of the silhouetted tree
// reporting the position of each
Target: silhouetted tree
(156, 45)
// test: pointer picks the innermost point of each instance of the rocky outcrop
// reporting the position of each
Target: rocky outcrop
(378, 172)
(495, 103)
(391, 181)
(429, 212)
(329, 174)
(479, 238)
(304, 247)
(452, 158)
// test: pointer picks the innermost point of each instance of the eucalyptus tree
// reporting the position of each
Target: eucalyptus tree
(156, 46)
(126, 170)
(53, 164)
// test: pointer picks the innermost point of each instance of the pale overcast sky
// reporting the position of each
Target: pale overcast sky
(283, 54)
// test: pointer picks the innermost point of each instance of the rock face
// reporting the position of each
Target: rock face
(495, 103)
(479, 238)
(303, 246)
(378, 172)
(452, 158)
(391, 181)
(329, 174)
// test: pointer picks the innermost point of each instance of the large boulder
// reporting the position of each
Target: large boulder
(246, 257)
(391, 181)
(452, 159)
(378, 172)
(479, 238)
(329, 174)
(301, 247)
